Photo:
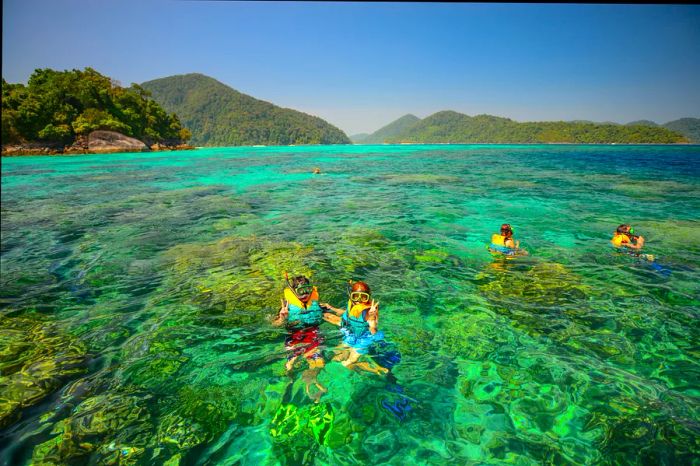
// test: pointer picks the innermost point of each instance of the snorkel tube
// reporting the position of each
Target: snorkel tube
(289, 285)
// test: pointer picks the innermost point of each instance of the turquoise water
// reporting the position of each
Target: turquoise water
(136, 292)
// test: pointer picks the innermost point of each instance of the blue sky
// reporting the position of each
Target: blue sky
(362, 65)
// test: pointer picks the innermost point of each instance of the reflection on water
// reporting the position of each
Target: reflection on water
(136, 293)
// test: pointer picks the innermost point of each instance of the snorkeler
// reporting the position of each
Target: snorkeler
(624, 237)
(358, 324)
(625, 240)
(504, 243)
(302, 315)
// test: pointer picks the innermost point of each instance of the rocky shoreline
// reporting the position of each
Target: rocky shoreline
(97, 142)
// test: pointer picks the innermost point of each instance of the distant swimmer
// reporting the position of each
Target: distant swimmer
(317, 171)
(505, 244)
(625, 240)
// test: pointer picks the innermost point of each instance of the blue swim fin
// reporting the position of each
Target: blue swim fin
(401, 406)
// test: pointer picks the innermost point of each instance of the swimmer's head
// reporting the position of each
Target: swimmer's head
(360, 292)
(624, 229)
(302, 287)
(506, 230)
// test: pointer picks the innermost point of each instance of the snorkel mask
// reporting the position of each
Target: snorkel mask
(358, 296)
(303, 289)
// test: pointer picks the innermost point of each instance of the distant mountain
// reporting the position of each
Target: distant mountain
(642, 123)
(453, 127)
(218, 115)
(357, 138)
(688, 127)
(391, 130)
(595, 122)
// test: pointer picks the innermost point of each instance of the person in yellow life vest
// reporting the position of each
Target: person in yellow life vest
(358, 324)
(624, 237)
(504, 242)
(302, 315)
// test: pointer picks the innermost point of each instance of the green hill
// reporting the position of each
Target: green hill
(218, 115)
(391, 130)
(454, 127)
(358, 138)
(56, 107)
(688, 127)
(642, 123)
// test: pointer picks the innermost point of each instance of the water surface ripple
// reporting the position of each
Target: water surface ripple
(136, 291)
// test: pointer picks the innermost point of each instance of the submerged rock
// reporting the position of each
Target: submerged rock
(35, 360)
(105, 429)
(241, 276)
(545, 284)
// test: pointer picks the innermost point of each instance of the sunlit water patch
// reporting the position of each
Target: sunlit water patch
(137, 291)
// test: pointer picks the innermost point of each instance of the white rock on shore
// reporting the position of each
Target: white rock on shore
(111, 141)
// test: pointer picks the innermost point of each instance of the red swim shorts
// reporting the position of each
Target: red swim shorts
(302, 341)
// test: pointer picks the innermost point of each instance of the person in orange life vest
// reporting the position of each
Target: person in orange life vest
(358, 323)
(624, 237)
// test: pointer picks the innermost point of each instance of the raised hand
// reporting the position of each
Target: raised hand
(374, 310)
(284, 310)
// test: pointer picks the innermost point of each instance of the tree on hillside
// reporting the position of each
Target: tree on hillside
(58, 106)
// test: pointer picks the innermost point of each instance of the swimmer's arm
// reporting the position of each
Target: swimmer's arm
(282, 315)
(636, 245)
(509, 243)
(278, 321)
(372, 326)
(331, 318)
(335, 310)
(373, 317)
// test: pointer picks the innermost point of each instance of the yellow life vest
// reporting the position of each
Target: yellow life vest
(355, 310)
(303, 314)
(498, 240)
(620, 239)
(353, 321)
(291, 298)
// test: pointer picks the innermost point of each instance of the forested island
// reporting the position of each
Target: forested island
(86, 112)
(218, 115)
(453, 127)
(81, 112)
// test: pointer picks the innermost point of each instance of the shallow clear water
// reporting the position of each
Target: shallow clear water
(136, 291)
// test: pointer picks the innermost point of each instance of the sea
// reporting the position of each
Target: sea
(138, 292)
